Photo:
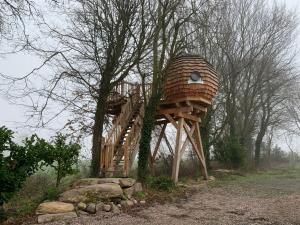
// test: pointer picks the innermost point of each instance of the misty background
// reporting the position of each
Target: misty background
(18, 117)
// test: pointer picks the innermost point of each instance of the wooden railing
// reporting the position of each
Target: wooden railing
(119, 125)
(131, 143)
(133, 93)
(122, 90)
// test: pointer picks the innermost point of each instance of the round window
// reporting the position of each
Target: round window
(195, 76)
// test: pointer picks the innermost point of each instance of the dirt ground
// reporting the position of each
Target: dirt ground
(271, 198)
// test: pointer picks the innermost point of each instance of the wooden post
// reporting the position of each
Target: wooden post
(153, 155)
(162, 132)
(186, 142)
(176, 160)
(201, 152)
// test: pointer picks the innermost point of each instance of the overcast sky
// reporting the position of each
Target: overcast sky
(14, 116)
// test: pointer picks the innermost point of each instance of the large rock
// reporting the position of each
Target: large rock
(92, 193)
(91, 208)
(106, 208)
(129, 191)
(127, 203)
(126, 182)
(138, 187)
(93, 181)
(81, 206)
(115, 209)
(55, 217)
(99, 206)
(54, 207)
(143, 202)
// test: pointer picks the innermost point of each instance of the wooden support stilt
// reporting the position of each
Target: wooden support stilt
(176, 160)
(171, 120)
(153, 155)
(159, 140)
(201, 151)
(169, 145)
(186, 142)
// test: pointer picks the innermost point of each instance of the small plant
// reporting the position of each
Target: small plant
(162, 183)
(62, 157)
(140, 195)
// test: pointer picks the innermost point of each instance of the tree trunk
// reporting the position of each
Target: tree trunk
(258, 143)
(269, 148)
(205, 131)
(148, 126)
(97, 134)
(58, 176)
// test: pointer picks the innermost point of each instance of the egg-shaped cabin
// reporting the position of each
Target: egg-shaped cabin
(190, 78)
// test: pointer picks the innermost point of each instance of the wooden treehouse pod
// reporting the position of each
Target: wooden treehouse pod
(191, 78)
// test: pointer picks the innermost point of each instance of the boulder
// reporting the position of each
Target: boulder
(81, 206)
(138, 187)
(106, 208)
(134, 201)
(55, 217)
(93, 181)
(126, 182)
(127, 203)
(143, 202)
(92, 193)
(115, 209)
(91, 208)
(54, 207)
(99, 206)
(82, 213)
(128, 192)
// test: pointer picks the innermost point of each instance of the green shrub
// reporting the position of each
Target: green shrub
(52, 193)
(162, 183)
(17, 162)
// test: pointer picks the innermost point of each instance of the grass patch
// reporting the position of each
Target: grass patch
(162, 183)
(270, 183)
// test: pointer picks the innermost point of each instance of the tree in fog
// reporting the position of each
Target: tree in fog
(95, 49)
(251, 45)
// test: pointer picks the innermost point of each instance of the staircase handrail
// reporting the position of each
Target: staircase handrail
(123, 117)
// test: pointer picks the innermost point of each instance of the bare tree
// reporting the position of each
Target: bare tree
(97, 47)
(250, 43)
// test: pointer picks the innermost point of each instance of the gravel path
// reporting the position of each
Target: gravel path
(210, 206)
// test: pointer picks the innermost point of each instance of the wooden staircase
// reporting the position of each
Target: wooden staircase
(121, 143)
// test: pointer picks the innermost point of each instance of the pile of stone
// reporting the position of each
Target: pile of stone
(91, 196)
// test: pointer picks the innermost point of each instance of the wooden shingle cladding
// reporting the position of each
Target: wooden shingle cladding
(177, 87)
